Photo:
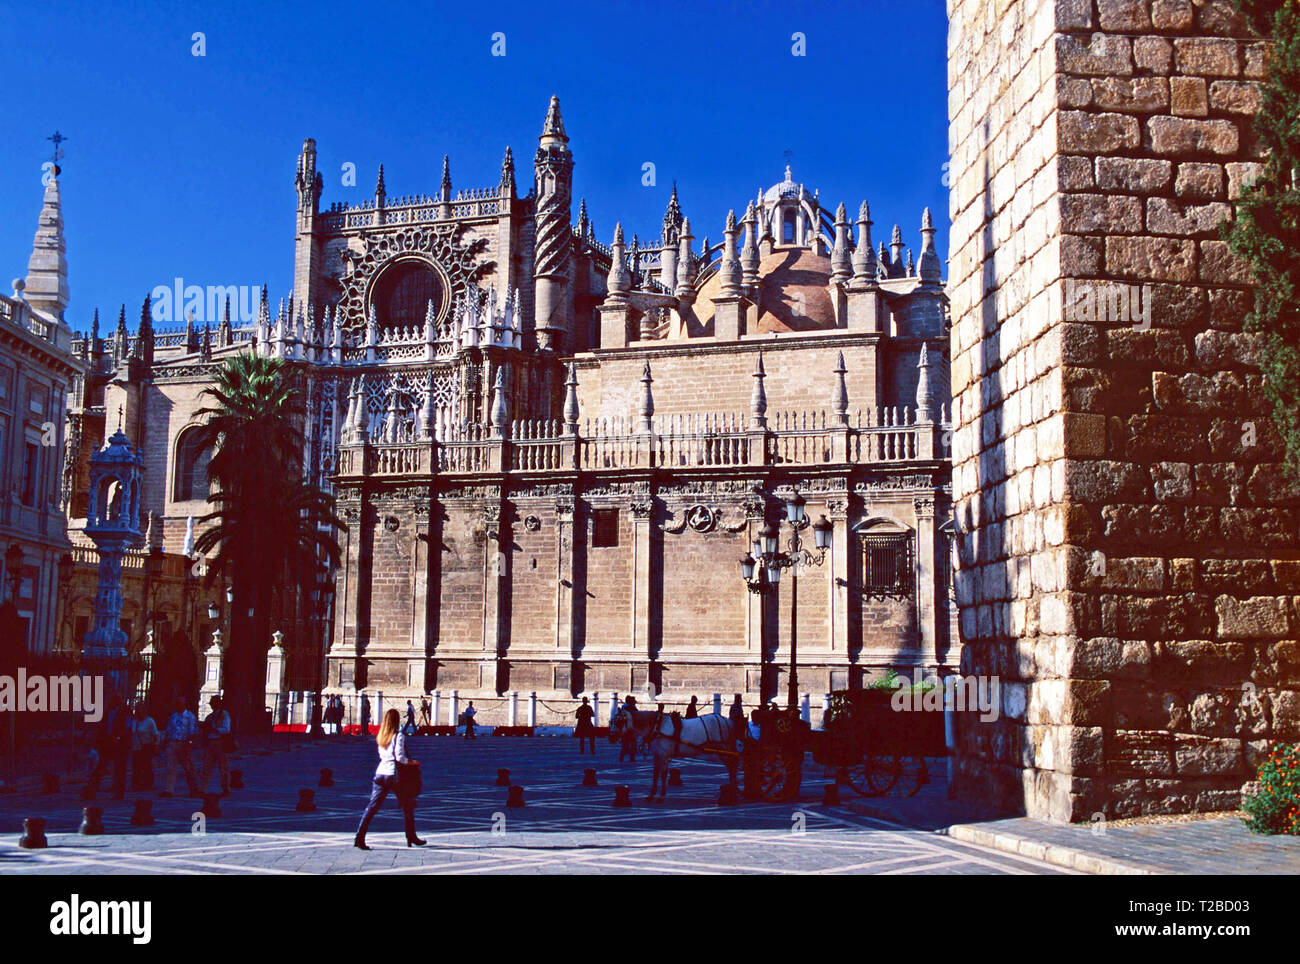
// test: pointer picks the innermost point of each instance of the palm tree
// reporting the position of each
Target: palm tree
(270, 529)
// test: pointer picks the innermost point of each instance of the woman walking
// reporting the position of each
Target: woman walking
(397, 773)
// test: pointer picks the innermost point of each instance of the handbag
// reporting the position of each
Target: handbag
(409, 783)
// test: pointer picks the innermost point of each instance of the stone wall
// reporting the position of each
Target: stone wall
(1128, 539)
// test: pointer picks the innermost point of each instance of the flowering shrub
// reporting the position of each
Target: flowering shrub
(1276, 807)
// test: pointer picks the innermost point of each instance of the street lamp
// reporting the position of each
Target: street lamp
(213, 612)
(13, 566)
(761, 569)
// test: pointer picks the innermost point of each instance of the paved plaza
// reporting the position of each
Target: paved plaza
(563, 828)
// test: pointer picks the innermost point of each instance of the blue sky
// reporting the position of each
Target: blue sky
(183, 165)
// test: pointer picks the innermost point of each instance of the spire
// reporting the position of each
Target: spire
(864, 259)
(883, 261)
(381, 193)
(925, 391)
(896, 246)
(584, 224)
(840, 394)
(553, 129)
(729, 269)
(144, 342)
(685, 264)
(500, 417)
(646, 410)
(224, 333)
(749, 253)
(929, 267)
(47, 268)
(841, 260)
(446, 176)
(620, 282)
(507, 174)
(571, 400)
(672, 219)
(758, 398)
(191, 337)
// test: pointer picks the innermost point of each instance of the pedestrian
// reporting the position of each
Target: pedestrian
(178, 744)
(424, 712)
(737, 716)
(585, 731)
(410, 717)
(469, 720)
(113, 744)
(397, 774)
(365, 715)
(692, 709)
(144, 743)
(216, 732)
(627, 745)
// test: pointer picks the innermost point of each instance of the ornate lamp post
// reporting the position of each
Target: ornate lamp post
(66, 565)
(761, 570)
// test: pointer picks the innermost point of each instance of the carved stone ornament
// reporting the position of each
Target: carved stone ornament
(532, 523)
(701, 518)
(391, 523)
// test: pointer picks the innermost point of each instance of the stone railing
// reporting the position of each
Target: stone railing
(671, 441)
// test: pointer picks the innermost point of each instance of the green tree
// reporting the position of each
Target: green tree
(1266, 229)
(270, 530)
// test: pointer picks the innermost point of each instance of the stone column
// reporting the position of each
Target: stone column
(926, 580)
(213, 657)
(1119, 499)
(276, 670)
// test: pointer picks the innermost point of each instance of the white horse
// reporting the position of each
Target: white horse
(709, 735)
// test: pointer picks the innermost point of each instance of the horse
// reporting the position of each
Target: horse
(709, 735)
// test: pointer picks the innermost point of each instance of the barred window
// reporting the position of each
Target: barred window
(604, 528)
(192, 459)
(887, 564)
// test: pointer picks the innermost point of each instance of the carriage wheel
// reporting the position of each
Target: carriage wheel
(874, 776)
(779, 776)
(912, 775)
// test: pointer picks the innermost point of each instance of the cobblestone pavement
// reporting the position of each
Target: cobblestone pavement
(563, 828)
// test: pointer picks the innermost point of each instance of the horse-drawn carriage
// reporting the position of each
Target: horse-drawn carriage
(873, 748)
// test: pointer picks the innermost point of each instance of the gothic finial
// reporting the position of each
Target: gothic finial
(928, 266)
(508, 172)
(841, 259)
(446, 177)
(571, 400)
(553, 129)
(864, 258)
(646, 409)
(758, 398)
(840, 394)
(380, 190)
(925, 391)
(500, 416)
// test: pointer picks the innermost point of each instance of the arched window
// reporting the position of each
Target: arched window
(192, 458)
(886, 557)
(787, 228)
(402, 294)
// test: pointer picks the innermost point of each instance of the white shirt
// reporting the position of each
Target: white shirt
(391, 755)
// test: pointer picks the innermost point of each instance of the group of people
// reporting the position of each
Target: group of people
(131, 736)
(585, 731)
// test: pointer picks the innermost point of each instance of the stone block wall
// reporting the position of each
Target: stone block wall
(1128, 538)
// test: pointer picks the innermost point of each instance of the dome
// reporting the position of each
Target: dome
(786, 189)
(793, 293)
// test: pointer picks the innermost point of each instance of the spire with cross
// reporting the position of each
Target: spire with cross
(57, 154)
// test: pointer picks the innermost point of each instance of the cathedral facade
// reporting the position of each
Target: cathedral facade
(552, 453)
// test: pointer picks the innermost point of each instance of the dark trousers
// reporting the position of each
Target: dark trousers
(584, 740)
(627, 748)
(115, 758)
(379, 790)
(142, 769)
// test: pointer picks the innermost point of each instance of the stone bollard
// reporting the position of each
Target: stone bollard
(326, 777)
(92, 822)
(306, 801)
(503, 778)
(589, 778)
(50, 783)
(515, 796)
(33, 837)
(236, 779)
(621, 798)
(831, 795)
(727, 796)
(674, 777)
(211, 805)
(142, 815)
